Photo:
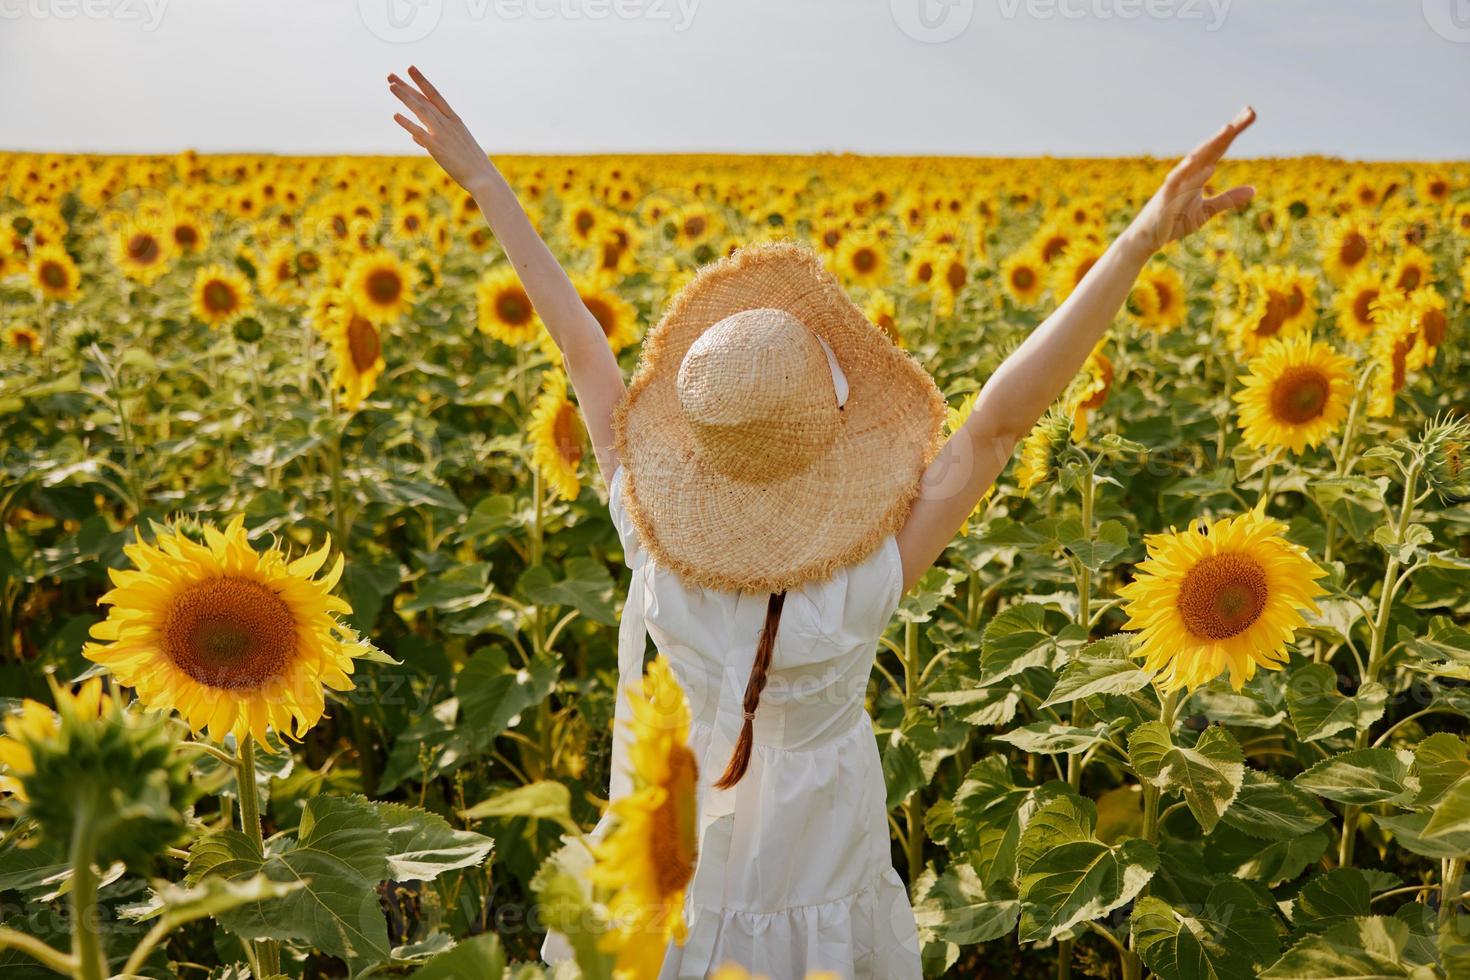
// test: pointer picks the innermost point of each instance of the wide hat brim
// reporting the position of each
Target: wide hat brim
(721, 533)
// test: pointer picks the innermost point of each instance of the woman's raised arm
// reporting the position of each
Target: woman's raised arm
(590, 363)
(1032, 377)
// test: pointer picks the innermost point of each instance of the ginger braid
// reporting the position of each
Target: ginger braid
(740, 758)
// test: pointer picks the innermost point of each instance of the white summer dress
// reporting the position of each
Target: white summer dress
(794, 872)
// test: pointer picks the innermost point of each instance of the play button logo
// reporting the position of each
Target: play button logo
(400, 21)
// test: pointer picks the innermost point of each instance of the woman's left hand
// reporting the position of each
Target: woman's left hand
(1180, 207)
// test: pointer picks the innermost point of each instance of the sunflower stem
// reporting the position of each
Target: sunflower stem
(86, 938)
(1391, 583)
(267, 951)
(1449, 888)
(1084, 611)
(538, 627)
(339, 512)
(913, 807)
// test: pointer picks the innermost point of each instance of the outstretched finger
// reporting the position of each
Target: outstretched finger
(1211, 150)
(427, 87)
(415, 101)
(414, 130)
(1231, 200)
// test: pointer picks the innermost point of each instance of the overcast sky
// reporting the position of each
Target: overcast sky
(1356, 78)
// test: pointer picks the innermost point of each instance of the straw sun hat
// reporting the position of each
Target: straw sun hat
(771, 434)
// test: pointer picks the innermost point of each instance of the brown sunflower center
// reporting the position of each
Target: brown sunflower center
(585, 222)
(1297, 301)
(219, 296)
(1300, 395)
(1023, 278)
(143, 249)
(363, 342)
(513, 307)
(384, 286)
(695, 226)
(602, 312)
(53, 275)
(674, 843)
(864, 260)
(567, 434)
(1083, 268)
(1363, 305)
(1055, 245)
(186, 236)
(230, 633)
(1354, 247)
(1409, 279)
(1165, 294)
(1433, 323)
(955, 276)
(1274, 317)
(1222, 596)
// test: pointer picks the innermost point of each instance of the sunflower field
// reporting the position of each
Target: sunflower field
(309, 594)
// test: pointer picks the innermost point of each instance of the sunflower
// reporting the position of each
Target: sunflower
(616, 251)
(141, 251)
(1297, 392)
(922, 266)
(1167, 307)
(615, 315)
(1391, 350)
(861, 260)
(504, 310)
(221, 295)
(1040, 449)
(1073, 266)
(280, 276)
(694, 225)
(55, 274)
(190, 235)
(648, 859)
(411, 221)
(1346, 250)
(951, 274)
(378, 286)
(1052, 242)
(1022, 277)
(1459, 220)
(24, 336)
(1094, 383)
(582, 220)
(1227, 596)
(233, 639)
(33, 722)
(357, 346)
(1357, 305)
(1419, 316)
(1412, 270)
(556, 437)
(1433, 187)
(882, 312)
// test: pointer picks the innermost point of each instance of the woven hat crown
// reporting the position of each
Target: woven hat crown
(757, 391)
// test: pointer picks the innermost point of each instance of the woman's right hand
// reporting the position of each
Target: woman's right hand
(439, 130)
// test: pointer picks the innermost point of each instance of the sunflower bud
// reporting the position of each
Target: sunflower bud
(91, 759)
(1445, 445)
(1049, 438)
(248, 330)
